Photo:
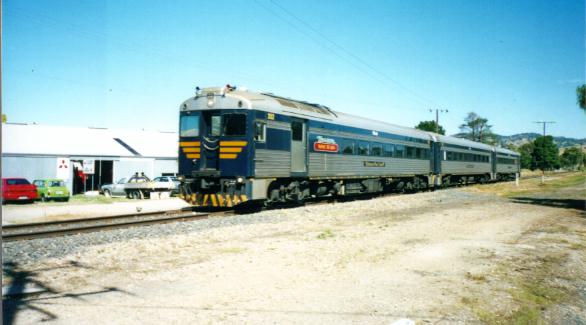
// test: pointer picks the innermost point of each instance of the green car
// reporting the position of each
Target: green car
(51, 189)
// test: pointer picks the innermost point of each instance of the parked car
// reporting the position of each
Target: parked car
(116, 189)
(169, 179)
(51, 189)
(137, 186)
(18, 189)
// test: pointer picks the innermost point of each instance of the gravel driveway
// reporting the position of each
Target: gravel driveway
(363, 262)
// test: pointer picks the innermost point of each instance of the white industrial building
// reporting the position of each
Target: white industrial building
(85, 158)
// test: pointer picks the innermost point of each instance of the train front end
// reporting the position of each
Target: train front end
(214, 149)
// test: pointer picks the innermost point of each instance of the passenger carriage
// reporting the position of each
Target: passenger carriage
(238, 146)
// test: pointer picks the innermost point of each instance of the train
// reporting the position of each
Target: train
(238, 147)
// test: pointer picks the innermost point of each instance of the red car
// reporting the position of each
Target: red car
(18, 189)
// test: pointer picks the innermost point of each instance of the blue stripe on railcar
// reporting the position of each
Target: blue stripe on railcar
(364, 132)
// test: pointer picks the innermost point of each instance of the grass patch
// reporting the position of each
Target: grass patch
(533, 185)
(476, 277)
(325, 235)
(231, 250)
(578, 247)
(99, 199)
(532, 291)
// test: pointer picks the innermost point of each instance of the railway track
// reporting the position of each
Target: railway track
(76, 226)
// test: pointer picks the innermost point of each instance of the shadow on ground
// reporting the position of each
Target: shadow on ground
(576, 204)
(25, 290)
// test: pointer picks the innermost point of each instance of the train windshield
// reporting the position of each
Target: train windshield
(234, 124)
(189, 126)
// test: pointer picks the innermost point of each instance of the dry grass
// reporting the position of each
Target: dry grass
(532, 185)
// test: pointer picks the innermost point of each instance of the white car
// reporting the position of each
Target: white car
(169, 179)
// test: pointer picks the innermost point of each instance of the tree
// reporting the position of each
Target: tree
(581, 95)
(476, 128)
(572, 158)
(526, 152)
(430, 126)
(4, 119)
(545, 154)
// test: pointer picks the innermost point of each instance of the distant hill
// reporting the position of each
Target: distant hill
(522, 138)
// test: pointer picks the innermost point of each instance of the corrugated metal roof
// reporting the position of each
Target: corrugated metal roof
(74, 141)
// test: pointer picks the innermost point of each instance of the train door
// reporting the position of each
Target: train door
(298, 147)
(212, 128)
(436, 160)
(493, 162)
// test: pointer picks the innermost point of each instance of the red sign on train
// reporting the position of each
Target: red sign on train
(325, 145)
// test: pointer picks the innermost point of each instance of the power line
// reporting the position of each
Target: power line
(296, 28)
(347, 52)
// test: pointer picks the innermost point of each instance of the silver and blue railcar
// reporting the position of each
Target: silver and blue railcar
(238, 146)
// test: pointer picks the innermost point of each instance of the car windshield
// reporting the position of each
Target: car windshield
(122, 181)
(18, 181)
(56, 184)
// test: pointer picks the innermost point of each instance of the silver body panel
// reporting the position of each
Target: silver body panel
(272, 163)
(465, 168)
(323, 164)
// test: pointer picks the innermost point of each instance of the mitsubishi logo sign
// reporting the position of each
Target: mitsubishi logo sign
(63, 168)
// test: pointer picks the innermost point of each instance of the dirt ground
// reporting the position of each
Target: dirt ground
(42, 212)
(444, 257)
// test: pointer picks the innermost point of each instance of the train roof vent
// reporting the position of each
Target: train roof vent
(301, 105)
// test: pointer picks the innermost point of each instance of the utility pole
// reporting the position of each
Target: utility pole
(544, 124)
(437, 111)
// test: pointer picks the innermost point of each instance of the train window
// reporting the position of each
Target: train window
(348, 147)
(296, 131)
(189, 126)
(234, 124)
(388, 150)
(363, 148)
(216, 127)
(260, 131)
(450, 155)
(399, 151)
(410, 152)
(376, 149)
(419, 153)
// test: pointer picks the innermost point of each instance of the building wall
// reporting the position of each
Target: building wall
(36, 167)
(31, 168)
(126, 167)
(165, 166)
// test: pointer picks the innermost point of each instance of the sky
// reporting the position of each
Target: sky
(130, 64)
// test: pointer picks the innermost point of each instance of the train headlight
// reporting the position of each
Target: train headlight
(210, 99)
(240, 179)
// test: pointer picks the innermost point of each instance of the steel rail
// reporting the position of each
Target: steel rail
(13, 232)
(75, 226)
